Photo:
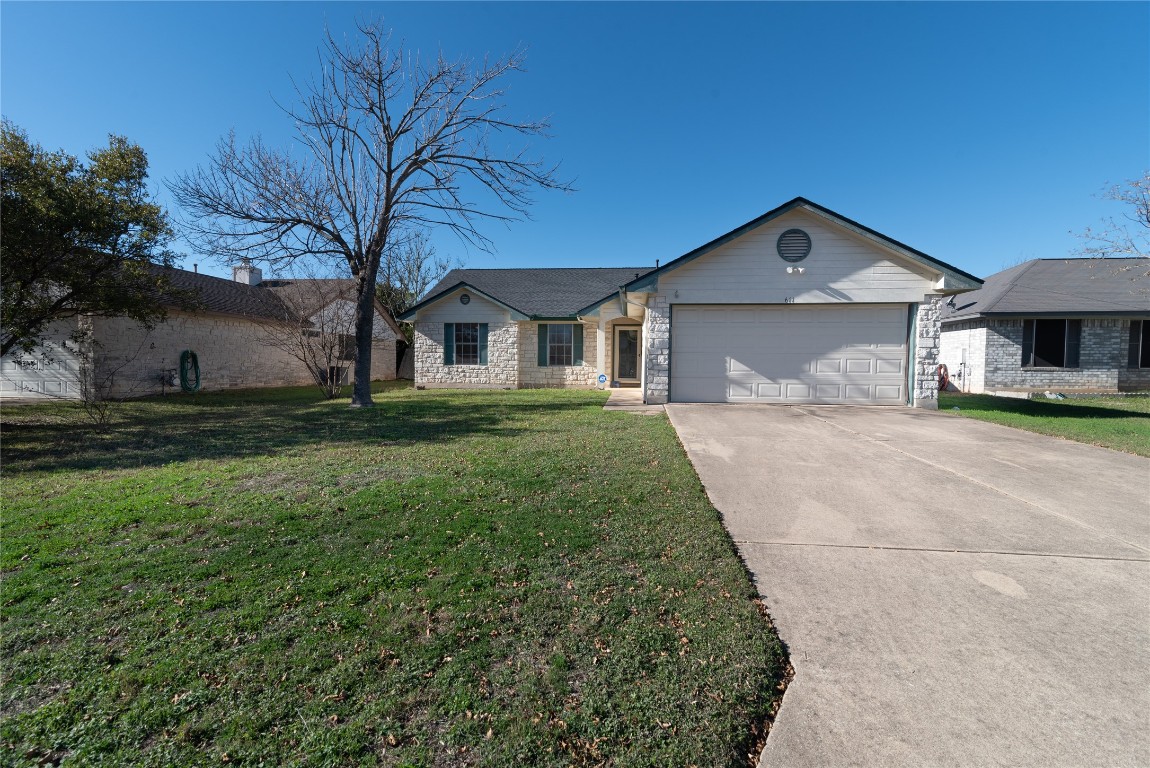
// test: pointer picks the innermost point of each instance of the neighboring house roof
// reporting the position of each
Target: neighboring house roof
(960, 280)
(268, 300)
(1059, 287)
(216, 294)
(537, 294)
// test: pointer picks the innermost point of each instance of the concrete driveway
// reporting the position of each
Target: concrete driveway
(952, 593)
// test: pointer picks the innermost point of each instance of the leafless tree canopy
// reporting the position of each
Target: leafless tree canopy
(408, 272)
(391, 145)
(1129, 238)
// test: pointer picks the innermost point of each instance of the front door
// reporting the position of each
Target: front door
(627, 354)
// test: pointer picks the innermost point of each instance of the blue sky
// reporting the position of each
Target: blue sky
(980, 133)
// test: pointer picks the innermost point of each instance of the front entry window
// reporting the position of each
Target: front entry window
(628, 354)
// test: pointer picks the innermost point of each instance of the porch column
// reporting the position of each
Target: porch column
(657, 351)
(601, 350)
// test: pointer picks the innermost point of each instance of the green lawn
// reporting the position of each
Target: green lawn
(1121, 423)
(451, 578)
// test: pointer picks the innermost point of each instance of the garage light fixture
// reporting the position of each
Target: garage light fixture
(796, 270)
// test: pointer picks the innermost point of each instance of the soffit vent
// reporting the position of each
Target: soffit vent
(794, 245)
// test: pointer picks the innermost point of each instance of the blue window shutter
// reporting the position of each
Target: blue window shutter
(1027, 343)
(483, 343)
(542, 345)
(449, 343)
(577, 344)
(1133, 356)
(1073, 339)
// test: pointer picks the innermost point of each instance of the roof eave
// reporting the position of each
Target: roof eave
(410, 314)
(959, 281)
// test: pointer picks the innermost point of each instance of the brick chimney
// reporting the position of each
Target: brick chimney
(247, 274)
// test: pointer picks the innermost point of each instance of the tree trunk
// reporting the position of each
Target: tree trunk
(364, 326)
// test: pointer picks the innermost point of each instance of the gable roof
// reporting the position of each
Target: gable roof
(1060, 287)
(306, 297)
(536, 294)
(960, 280)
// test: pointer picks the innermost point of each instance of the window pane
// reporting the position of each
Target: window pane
(559, 345)
(1145, 344)
(1050, 343)
(467, 343)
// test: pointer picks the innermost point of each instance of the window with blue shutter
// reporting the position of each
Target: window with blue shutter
(560, 344)
(465, 344)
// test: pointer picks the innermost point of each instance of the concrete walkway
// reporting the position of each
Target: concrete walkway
(952, 593)
(630, 399)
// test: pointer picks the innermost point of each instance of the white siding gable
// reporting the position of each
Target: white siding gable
(449, 310)
(842, 266)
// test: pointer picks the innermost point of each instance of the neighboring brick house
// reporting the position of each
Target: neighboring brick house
(1052, 324)
(229, 332)
(800, 305)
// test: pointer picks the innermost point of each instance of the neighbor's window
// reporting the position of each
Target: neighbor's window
(560, 344)
(1050, 343)
(1139, 344)
(465, 343)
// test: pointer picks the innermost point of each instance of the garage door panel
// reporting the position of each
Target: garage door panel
(769, 390)
(888, 393)
(812, 354)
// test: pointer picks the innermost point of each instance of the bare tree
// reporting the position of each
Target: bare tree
(1130, 238)
(318, 328)
(391, 145)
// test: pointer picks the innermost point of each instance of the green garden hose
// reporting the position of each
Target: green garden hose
(189, 371)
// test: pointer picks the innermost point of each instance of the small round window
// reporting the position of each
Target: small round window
(465, 299)
(794, 245)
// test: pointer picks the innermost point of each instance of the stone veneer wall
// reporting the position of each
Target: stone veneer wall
(228, 347)
(501, 371)
(657, 350)
(557, 376)
(1102, 359)
(926, 348)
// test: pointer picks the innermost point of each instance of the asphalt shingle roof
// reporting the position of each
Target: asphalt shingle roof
(553, 292)
(1060, 286)
(216, 294)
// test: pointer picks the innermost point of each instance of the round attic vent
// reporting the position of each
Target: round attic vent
(464, 299)
(794, 245)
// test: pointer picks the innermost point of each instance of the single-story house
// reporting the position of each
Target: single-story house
(800, 305)
(1052, 324)
(234, 331)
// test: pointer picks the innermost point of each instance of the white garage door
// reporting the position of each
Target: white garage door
(852, 353)
(50, 372)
